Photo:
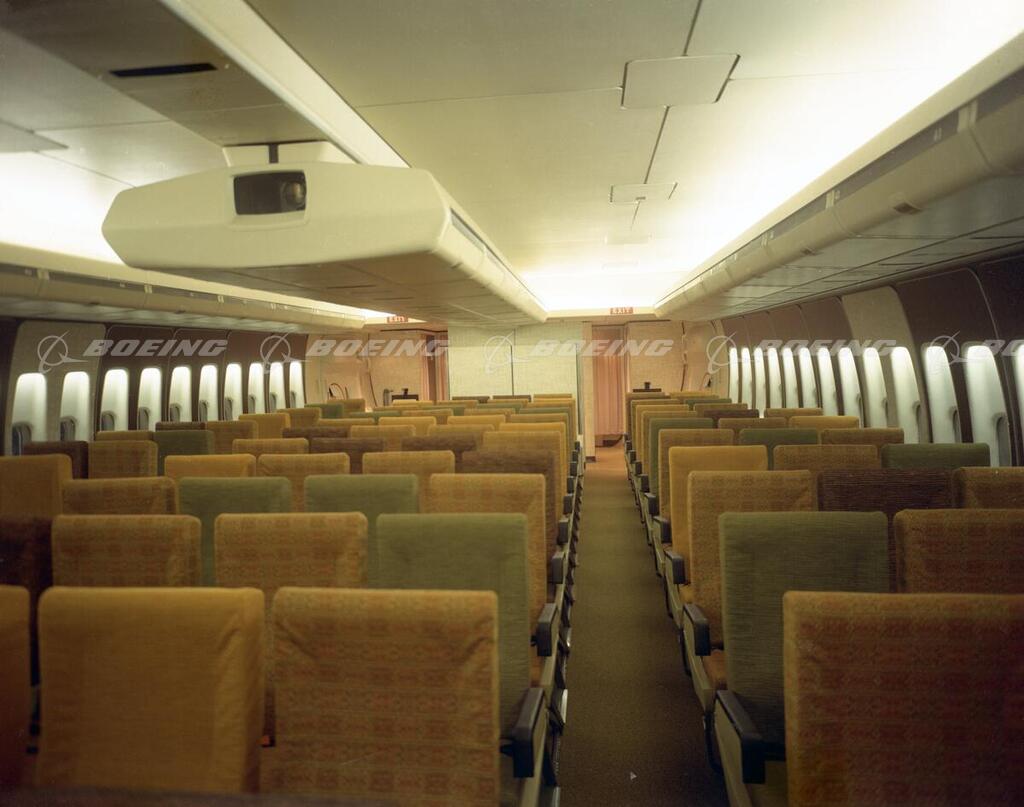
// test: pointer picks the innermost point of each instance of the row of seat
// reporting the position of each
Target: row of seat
(731, 537)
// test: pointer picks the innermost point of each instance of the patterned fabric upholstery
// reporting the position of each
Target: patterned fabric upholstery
(494, 420)
(435, 657)
(270, 425)
(331, 409)
(353, 404)
(822, 422)
(134, 434)
(302, 417)
(948, 456)
(721, 414)
(887, 490)
(296, 468)
(712, 493)
(173, 702)
(673, 432)
(989, 487)
(738, 424)
(788, 412)
(467, 551)
(704, 410)
(117, 459)
(970, 551)
(500, 493)
(310, 432)
(25, 562)
(75, 450)
(423, 464)
(682, 460)
(181, 465)
(476, 431)
(351, 447)
(553, 407)
(562, 417)
(770, 438)
(440, 414)
(648, 404)
(345, 423)
(269, 551)
(421, 423)
(866, 726)
(15, 695)
(391, 435)
(225, 432)
(173, 425)
(874, 437)
(208, 498)
(279, 445)
(152, 495)
(765, 555)
(132, 550)
(529, 441)
(818, 458)
(645, 413)
(458, 444)
(539, 428)
(631, 400)
(31, 486)
(180, 441)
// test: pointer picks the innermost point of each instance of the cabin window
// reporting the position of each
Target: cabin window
(1018, 374)
(790, 378)
(876, 403)
(987, 406)
(255, 389)
(21, 434)
(734, 374)
(114, 400)
(75, 403)
(906, 396)
(808, 384)
(774, 396)
(759, 380)
(232, 391)
(276, 386)
(851, 384)
(746, 377)
(150, 405)
(179, 399)
(829, 396)
(208, 392)
(938, 383)
(296, 393)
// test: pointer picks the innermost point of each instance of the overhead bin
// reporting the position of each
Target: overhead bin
(377, 237)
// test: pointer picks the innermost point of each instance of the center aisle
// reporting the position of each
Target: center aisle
(634, 725)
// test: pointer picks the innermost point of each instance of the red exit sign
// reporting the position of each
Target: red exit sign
(397, 319)
(619, 311)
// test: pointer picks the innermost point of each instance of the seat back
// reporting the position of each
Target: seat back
(792, 411)
(126, 550)
(883, 731)
(173, 425)
(310, 432)
(717, 414)
(353, 405)
(208, 498)
(479, 552)
(439, 413)
(645, 415)
(124, 434)
(75, 450)
(493, 420)
(181, 465)
(442, 646)
(225, 432)
(391, 435)
(296, 468)
(119, 459)
(279, 445)
(181, 441)
(772, 437)
(549, 441)
(944, 456)
(457, 444)
(25, 563)
(153, 495)
(874, 437)
(422, 464)
(330, 409)
(31, 486)
(633, 403)
(887, 490)
(421, 423)
(738, 424)
(712, 493)
(656, 464)
(174, 700)
(817, 458)
(562, 416)
(764, 555)
(989, 487)
(536, 428)
(969, 551)
(353, 448)
(15, 692)
(822, 422)
(302, 417)
(476, 431)
(269, 425)
(716, 409)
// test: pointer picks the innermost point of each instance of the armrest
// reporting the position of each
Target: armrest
(676, 567)
(563, 531)
(556, 567)
(631, 456)
(698, 629)
(570, 484)
(628, 444)
(652, 503)
(645, 483)
(544, 637)
(638, 468)
(527, 735)
(752, 745)
(574, 468)
(663, 529)
(566, 504)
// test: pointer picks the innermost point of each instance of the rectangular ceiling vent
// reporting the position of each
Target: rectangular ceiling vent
(163, 70)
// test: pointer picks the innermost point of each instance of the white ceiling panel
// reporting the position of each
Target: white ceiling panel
(14, 138)
(397, 51)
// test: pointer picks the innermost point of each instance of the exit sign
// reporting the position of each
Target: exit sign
(397, 319)
(618, 311)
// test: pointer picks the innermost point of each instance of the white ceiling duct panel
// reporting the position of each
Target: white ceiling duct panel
(373, 236)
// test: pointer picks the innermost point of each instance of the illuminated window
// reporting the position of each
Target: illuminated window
(851, 383)
(734, 374)
(296, 394)
(150, 405)
(747, 377)
(257, 405)
(790, 378)
(75, 404)
(875, 398)
(938, 383)
(989, 423)
(114, 401)
(759, 380)
(232, 391)
(208, 392)
(829, 398)
(276, 387)
(907, 398)
(774, 397)
(179, 399)
(808, 384)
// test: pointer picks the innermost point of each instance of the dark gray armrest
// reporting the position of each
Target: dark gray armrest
(574, 468)
(566, 503)
(527, 734)
(544, 638)
(570, 484)
(698, 628)
(631, 456)
(752, 745)
(676, 567)
(645, 483)
(563, 531)
(662, 530)
(652, 503)
(629, 444)
(638, 468)
(556, 567)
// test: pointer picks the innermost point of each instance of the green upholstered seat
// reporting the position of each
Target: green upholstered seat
(948, 456)
(329, 410)
(208, 497)
(654, 428)
(181, 441)
(777, 437)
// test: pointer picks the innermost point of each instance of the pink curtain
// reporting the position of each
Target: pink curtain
(441, 366)
(609, 386)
